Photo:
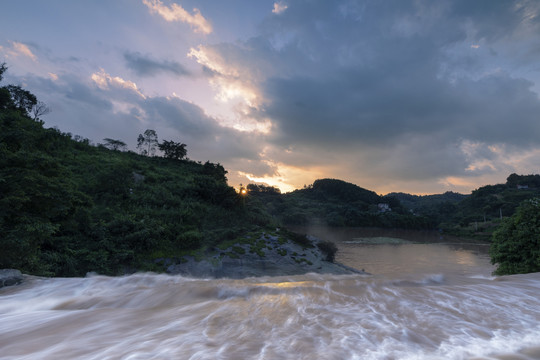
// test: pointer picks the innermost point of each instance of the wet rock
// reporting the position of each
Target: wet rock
(274, 259)
(10, 277)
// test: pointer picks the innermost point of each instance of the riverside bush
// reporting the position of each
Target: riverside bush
(516, 243)
(328, 248)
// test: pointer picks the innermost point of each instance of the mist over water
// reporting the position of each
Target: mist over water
(460, 314)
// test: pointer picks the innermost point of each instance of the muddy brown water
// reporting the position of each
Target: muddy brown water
(441, 304)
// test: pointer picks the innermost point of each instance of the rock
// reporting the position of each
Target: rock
(10, 277)
(274, 259)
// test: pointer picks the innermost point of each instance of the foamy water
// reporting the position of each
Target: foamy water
(148, 316)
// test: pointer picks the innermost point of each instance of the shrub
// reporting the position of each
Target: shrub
(516, 243)
(301, 239)
(191, 239)
(328, 248)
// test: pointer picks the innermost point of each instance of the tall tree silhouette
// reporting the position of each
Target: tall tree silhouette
(147, 142)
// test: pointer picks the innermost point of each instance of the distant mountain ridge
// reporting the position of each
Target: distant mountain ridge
(335, 202)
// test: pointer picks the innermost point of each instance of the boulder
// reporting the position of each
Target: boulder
(10, 277)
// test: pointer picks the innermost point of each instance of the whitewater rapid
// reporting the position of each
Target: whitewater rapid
(150, 316)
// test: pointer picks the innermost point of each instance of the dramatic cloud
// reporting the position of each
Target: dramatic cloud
(378, 85)
(145, 66)
(396, 95)
(231, 79)
(177, 13)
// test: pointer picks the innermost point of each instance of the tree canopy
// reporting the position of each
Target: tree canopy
(22, 99)
(114, 144)
(173, 150)
(3, 69)
(516, 243)
(147, 142)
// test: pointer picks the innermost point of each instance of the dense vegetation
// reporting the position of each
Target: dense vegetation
(516, 243)
(67, 207)
(478, 214)
(439, 207)
(337, 203)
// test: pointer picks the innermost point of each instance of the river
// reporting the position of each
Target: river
(422, 301)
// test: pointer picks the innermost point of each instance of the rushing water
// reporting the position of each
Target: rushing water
(458, 312)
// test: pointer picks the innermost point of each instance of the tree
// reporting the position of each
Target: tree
(147, 142)
(3, 69)
(22, 99)
(513, 180)
(40, 109)
(173, 150)
(5, 96)
(515, 244)
(114, 144)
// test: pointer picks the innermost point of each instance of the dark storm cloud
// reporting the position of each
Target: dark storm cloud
(495, 19)
(365, 78)
(145, 66)
(367, 109)
(187, 118)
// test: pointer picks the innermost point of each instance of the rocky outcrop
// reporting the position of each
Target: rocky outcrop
(10, 277)
(268, 256)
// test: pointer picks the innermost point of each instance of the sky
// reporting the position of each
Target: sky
(416, 96)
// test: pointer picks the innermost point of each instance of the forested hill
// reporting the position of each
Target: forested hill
(439, 207)
(337, 203)
(421, 203)
(67, 207)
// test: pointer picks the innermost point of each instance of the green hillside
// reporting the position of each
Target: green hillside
(480, 213)
(67, 207)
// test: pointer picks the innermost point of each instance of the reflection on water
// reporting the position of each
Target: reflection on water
(394, 260)
(425, 252)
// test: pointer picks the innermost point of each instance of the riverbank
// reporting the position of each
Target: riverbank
(262, 255)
